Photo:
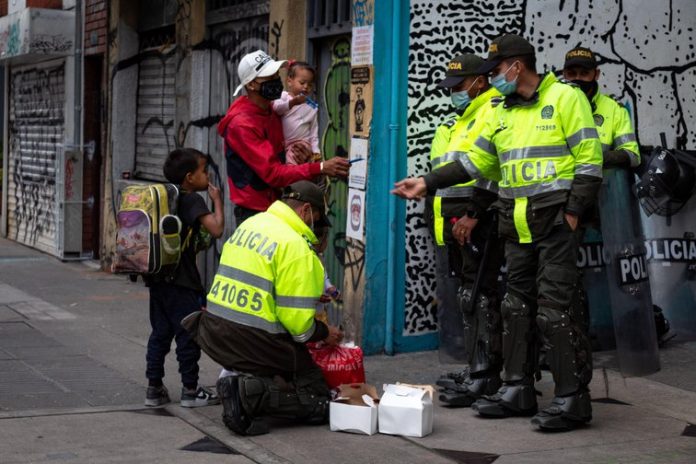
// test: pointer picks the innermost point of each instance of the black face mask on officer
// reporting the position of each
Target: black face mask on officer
(271, 90)
(588, 87)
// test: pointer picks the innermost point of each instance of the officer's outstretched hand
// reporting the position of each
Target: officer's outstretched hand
(335, 336)
(411, 188)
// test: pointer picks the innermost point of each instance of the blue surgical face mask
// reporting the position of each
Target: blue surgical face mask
(462, 99)
(505, 87)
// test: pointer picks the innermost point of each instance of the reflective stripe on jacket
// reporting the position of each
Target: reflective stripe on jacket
(614, 127)
(269, 276)
(546, 145)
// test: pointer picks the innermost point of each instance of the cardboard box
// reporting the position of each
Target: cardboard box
(355, 409)
(405, 410)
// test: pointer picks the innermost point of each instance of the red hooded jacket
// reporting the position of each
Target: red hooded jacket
(255, 155)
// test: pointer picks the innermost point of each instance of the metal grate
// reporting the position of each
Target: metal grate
(221, 11)
(219, 4)
(328, 17)
(36, 127)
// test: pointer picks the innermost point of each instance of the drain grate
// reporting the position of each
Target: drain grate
(689, 431)
(209, 445)
(610, 401)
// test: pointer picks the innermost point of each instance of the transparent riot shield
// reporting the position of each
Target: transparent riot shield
(629, 288)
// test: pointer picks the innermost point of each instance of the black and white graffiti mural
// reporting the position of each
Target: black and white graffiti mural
(36, 126)
(647, 54)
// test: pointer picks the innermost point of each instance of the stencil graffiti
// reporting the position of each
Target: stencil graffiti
(647, 55)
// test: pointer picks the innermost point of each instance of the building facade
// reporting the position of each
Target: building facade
(160, 75)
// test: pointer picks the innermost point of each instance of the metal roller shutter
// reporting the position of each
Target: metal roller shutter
(156, 112)
(36, 132)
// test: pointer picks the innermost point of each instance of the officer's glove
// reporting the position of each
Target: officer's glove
(617, 159)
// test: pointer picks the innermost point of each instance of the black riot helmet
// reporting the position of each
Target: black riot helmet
(666, 184)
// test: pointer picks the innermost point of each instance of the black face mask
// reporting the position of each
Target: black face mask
(590, 88)
(271, 90)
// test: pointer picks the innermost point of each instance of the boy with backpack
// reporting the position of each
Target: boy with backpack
(175, 296)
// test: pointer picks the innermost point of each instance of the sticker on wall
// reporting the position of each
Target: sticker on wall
(356, 214)
(358, 167)
(361, 45)
(360, 100)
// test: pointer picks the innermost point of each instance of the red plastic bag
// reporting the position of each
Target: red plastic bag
(340, 364)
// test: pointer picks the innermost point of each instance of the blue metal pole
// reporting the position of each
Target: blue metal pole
(393, 159)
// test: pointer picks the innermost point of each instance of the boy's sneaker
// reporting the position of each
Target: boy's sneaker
(198, 398)
(156, 396)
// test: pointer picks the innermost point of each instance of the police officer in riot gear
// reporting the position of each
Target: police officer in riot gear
(542, 144)
(463, 222)
(619, 145)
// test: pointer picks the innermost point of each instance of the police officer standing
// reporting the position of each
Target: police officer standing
(457, 211)
(619, 144)
(542, 145)
(260, 314)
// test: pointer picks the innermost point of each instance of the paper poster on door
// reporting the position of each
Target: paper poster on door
(360, 100)
(362, 40)
(356, 214)
(358, 169)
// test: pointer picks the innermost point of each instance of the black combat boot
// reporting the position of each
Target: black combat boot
(465, 393)
(234, 415)
(509, 400)
(565, 413)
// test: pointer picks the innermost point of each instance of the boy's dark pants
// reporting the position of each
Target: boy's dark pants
(169, 304)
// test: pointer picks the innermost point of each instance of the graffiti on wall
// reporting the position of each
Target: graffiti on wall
(439, 30)
(219, 57)
(10, 40)
(36, 135)
(647, 56)
(277, 33)
(335, 97)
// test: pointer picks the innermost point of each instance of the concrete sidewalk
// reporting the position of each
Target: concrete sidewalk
(72, 349)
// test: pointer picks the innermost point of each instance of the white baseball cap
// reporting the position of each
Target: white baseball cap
(256, 64)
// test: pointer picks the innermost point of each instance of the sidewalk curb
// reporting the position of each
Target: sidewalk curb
(244, 446)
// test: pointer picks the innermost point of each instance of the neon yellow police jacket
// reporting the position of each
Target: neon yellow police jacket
(450, 134)
(543, 152)
(269, 276)
(614, 127)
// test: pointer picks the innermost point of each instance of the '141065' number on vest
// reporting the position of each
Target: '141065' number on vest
(240, 297)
